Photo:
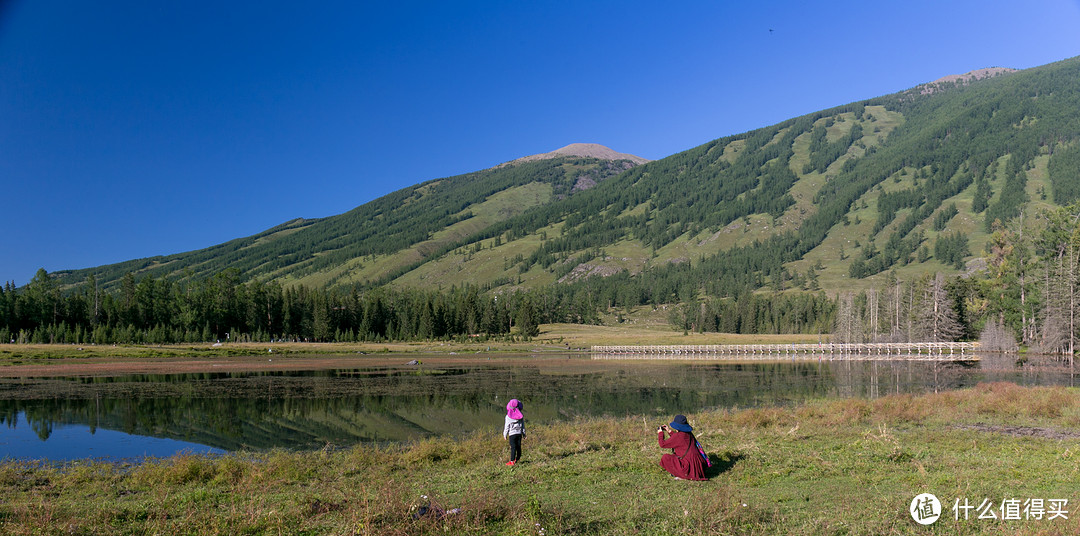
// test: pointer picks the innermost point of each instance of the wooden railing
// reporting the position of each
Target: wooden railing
(961, 351)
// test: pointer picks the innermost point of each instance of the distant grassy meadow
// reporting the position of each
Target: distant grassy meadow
(832, 466)
(646, 328)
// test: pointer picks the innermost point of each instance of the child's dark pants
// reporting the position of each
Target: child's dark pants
(515, 447)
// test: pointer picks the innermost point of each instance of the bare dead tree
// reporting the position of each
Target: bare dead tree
(935, 318)
(872, 310)
(995, 337)
(848, 320)
(1061, 299)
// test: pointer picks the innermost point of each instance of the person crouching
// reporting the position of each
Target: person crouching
(685, 461)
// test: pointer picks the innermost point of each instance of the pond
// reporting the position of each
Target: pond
(137, 415)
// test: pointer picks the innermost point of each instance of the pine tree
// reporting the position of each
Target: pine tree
(526, 318)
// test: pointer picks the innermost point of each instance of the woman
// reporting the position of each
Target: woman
(685, 460)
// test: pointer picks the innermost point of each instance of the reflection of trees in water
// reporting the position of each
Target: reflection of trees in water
(311, 409)
(1030, 369)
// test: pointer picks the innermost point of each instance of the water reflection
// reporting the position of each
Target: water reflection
(310, 409)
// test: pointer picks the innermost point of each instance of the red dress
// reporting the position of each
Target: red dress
(686, 462)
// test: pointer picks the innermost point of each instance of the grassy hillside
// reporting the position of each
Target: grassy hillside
(831, 200)
(863, 183)
(377, 241)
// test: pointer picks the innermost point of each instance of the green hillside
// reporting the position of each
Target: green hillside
(377, 241)
(972, 176)
(841, 195)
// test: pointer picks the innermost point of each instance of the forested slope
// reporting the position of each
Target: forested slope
(964, 177)
(913, 181)
(378, 238)
(843, 193)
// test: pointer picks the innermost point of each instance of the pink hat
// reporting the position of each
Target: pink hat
(513, 409)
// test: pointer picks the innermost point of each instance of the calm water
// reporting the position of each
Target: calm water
(158, 415)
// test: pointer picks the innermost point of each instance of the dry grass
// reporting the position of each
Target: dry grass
(834, 466)
(648, 327)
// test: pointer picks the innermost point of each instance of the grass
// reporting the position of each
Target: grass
(642, 326)
(831, 466)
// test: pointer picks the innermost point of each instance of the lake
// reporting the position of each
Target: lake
(136, 415)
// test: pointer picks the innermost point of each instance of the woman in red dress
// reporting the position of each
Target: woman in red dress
(685, 460)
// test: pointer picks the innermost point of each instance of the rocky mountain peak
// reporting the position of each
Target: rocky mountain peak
(591, 150)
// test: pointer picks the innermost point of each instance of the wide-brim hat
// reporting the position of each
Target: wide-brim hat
(513, 408)
(679, 423)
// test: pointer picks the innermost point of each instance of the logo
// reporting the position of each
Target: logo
(925, 508)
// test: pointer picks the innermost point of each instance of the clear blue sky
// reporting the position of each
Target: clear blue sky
(133, 129)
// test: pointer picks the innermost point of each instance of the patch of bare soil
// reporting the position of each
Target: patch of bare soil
(1020, 431)
(592, 150)
(964, 79)
(586, 269)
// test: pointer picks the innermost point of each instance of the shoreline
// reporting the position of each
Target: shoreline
(821, 467)
(52, 359)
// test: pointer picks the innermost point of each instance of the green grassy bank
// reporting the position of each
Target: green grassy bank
(552, 338)
(827, 467)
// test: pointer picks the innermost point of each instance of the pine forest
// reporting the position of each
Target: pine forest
(950, 211)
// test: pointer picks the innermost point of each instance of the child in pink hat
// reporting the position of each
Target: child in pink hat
(514, 429)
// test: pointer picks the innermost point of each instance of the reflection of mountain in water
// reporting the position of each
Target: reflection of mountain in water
(308, 409)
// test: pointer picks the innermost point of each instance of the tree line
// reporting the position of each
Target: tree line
(154, 310)
(158, 310)
(1029, 293)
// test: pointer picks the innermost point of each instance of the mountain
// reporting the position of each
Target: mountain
(905, 183)
(963, 79)
(588, 150)
(380, 240)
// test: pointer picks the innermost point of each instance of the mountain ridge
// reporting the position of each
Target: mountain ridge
(965, 78)
(829, 200)
(588, 150)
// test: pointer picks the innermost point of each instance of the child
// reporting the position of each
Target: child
(514, 429)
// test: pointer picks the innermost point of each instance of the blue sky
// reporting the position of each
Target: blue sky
(134, 129)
